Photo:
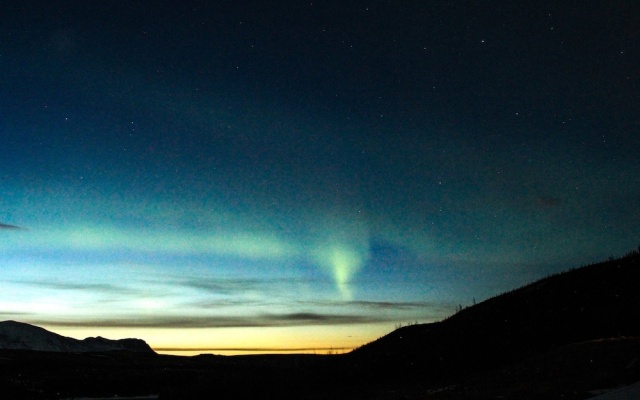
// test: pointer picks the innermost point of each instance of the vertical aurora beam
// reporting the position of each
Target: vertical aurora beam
(341, 262)
(345, 263)
(342, 245)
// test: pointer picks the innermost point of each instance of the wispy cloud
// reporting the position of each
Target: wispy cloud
(91, 287)
(377, 305)
(8, 227)
(390, 305)
(392, 311)
(11, 314)
(209, 304)
(223, 286)
(184, 322)
(234, 286)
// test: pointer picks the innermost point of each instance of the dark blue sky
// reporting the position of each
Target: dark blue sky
(308, 163)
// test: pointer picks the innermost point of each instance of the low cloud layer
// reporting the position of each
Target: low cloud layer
(175, 321)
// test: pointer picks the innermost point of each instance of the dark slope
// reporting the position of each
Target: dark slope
(574, 371)
(41, 375)
(589, 303)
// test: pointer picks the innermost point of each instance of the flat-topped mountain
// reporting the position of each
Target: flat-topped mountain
(20, 336)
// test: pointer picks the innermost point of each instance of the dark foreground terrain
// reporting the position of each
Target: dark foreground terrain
(574, 371)
(568, 336)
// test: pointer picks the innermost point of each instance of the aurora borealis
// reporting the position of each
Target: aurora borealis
(306, 175)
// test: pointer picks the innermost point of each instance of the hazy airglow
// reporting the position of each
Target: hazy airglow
(105, 238)
(232, 177)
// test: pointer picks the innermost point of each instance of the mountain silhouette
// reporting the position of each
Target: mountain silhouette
(20, 336)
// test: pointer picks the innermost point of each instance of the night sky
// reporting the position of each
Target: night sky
(305, 175)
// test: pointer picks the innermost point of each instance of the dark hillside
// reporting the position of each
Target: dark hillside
(574, 371)
(589, 303)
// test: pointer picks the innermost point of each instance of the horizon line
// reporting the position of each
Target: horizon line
(248, 349)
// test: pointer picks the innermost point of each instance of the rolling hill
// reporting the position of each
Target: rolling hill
(595, 302)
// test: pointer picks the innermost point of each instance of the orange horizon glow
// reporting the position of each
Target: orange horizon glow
(188, 352)
(241, 341)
